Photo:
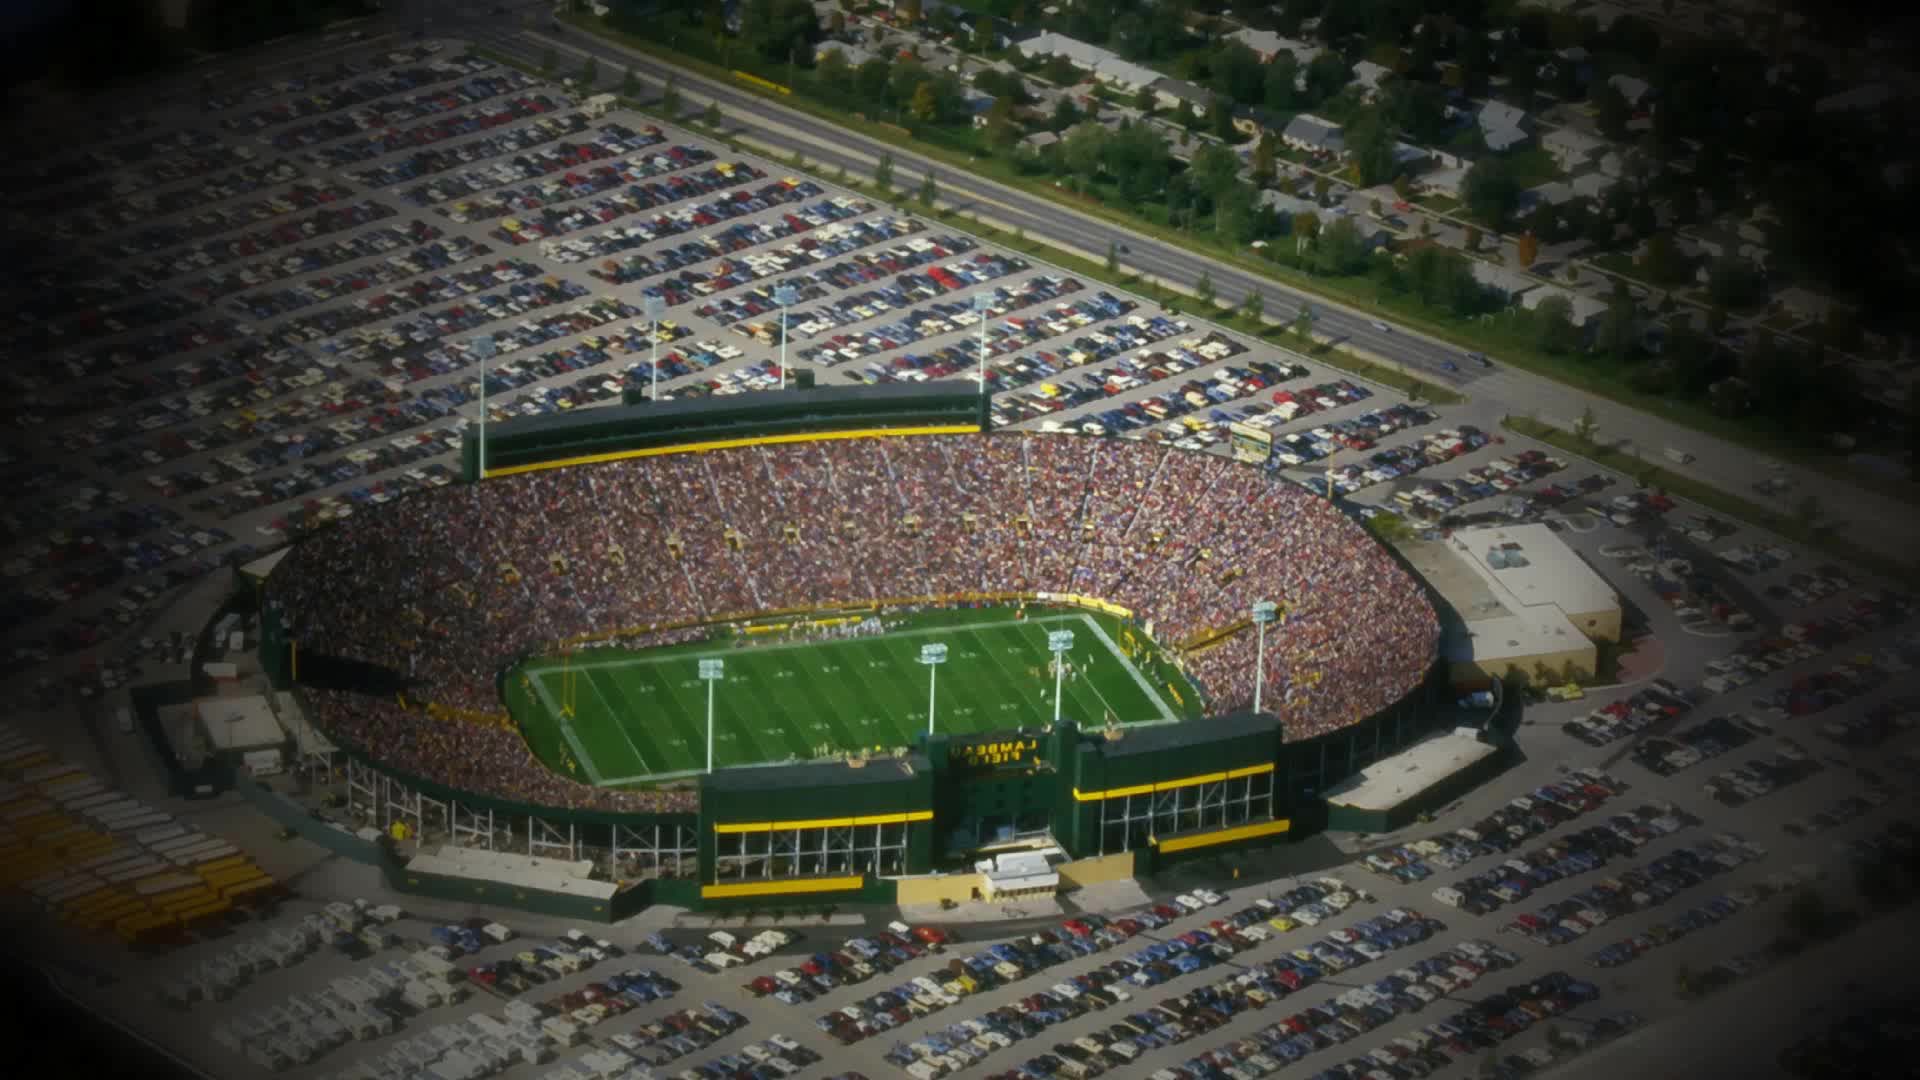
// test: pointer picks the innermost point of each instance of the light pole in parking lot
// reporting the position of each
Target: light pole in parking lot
(982, 304)
(784, 296)
(932, 656)
(1264, 612)
(482, 347)
(1058, 642)
(653, 306)
(711, 671)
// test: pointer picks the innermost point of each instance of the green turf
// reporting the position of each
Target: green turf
(640, 717)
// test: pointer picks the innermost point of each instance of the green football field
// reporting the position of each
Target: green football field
(640, 717)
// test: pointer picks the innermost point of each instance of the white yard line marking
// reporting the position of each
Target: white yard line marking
(566, 729)
(622, 728)
(1166, 714)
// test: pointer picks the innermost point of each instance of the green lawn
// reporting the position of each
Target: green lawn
(640, 717)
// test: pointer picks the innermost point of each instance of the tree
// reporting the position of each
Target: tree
(925, 105)
(1303, 322)
(1204, 288)
(1612, 110)
(1370, 145)
(1473, 238)
(713, 117)
(1265, 166)
(1113, 257)
(1491, 192)
(1402, 187)
(1377, 209)
(1145, 100)
(1807, 513)
(929, 190)
(1321, 185)
(1306, 230)
(984, 34)
(1553, 320)
(1622, 319)
(629, 84)
(883, 173)
(1342, 250)
(1254, 307)
(548, 61)
(1584, 428)
(670, 98)
(590, 72)
(1663, 263)
(1280, 90)
(1733, 282)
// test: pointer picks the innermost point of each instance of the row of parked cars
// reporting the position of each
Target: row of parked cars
(1761, 776)
(386, 240)
(1173, 1021)
(1665, 755)
(910, 326)
(1520, 820)
(43, 331)
(117, 169)
(1579, 852)
(537, 150)
(500, 98)
(1634, 890)
(836, 235)
(1651, 707)
(1838, 812)
(371, 81)
(1161, 364)
(1434, 499)
(1204, 1009)
(1711, 913)
(305, 195)
(86, 222)
(678, 287)
(328, 220)
(395, 269)
(410, 297)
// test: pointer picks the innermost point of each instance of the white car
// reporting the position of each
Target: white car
(1188, 903)
(1209, 897)
(1380, 326)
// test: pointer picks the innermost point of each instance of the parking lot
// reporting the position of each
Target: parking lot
(234, 353)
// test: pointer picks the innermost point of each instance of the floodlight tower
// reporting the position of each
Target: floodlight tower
(483, 349)
(711, 671)
(784, 295)
(1058, 642)
(653, 306)
(932, 656)
(982, 304)
(1264, 612)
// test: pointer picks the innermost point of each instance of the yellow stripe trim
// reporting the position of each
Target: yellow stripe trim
(1222, 836)
(727, 444)
(792, 885)
(1169, 785)
(823, 823)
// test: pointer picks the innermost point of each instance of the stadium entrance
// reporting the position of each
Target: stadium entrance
(1001, 788)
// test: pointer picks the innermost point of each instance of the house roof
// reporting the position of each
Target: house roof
(1185, 91)
(1630, 88)
(1500, 124)
(1511, 282)
(1116, 70)
(1048, 43)
(1040, 139)
(1592, 184)
(1368, 74)
(1573, 142)
(1268, 43)
(1553, 192)
(1281, 202)
(1313, 131)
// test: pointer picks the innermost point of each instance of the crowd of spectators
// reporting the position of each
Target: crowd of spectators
(450, 584)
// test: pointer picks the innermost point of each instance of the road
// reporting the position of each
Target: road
(1722, 464)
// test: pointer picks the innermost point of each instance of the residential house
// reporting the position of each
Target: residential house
(1254, 121)
(1612, 163)
(1409, 156)
(1633, 89)
(1715, 242)
(1288, 205)
(854, 55)
(1125, 76)
(1592, 184)
(1508, 283)
(1553, 193)
(1446, 181)
(1266, 45)
(1039, 141)
(1368, 74)
(1805, 303)
(1572, 150)
(1586, 309)
(1074, 51)
(1314, 135)
(1182, 96)
(978, 105)
(1443, 159)
(1502, 126)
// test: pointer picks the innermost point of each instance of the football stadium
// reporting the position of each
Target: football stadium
(831, 643)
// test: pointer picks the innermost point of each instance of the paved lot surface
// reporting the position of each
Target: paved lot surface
(84, 732)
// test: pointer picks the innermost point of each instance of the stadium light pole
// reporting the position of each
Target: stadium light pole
(1263, 613)
(982, 304)
(1058, 642)
(653, 306)
(932, 656)
(482, 347)
(711, 671)
(784, 295)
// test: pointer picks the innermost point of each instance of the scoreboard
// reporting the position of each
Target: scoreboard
(1253, 445)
